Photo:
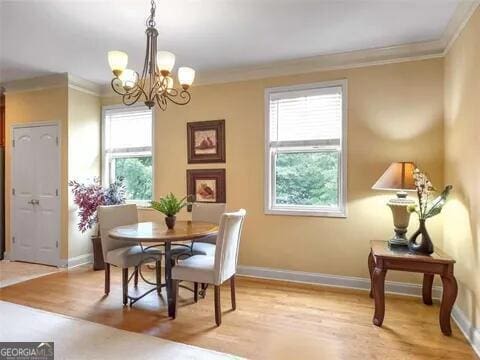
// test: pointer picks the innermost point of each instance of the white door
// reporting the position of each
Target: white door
(35, 194)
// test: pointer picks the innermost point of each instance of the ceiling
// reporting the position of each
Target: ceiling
(40, 37)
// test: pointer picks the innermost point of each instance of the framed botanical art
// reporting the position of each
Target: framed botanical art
(206, 141)
(207, 185)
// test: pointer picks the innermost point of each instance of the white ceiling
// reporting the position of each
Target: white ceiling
(51, 36)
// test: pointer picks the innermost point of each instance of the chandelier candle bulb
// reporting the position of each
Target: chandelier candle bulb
(129, 79)
(118, 61)
(186, 76)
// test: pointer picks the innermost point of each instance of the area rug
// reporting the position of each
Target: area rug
(80, 339)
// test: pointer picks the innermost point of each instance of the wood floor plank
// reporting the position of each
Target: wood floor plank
(273, 320)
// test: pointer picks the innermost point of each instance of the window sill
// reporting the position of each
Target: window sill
(314, 213)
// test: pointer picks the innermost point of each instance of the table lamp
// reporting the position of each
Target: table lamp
(398, 177)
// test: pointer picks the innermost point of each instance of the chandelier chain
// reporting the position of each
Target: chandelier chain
(151, 19)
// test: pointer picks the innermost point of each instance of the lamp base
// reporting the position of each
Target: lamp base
(401, 218)
(399, 239)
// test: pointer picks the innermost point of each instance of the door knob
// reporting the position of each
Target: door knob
(34, 202)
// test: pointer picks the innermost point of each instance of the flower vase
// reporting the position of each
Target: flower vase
(424, 245)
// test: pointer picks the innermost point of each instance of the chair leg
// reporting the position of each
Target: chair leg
(107, 278)
(218, 310)
(158, 275)
(175, 297)
(135, 277)
(125, 285)
(195, 292)
(232, 292)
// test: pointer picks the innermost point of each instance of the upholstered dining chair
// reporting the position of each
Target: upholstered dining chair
(214, 270)
(120, 253)
(210, 213)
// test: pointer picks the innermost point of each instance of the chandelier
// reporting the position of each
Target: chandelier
(156, 84)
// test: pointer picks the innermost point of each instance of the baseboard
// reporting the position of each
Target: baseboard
(349, 282)
(469, 331)
(79, 260)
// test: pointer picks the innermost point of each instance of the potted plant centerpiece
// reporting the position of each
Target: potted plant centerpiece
(170, 206)
(425, 209)
(88, 197)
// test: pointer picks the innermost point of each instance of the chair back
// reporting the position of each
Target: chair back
(228, 243)
(113, 216)
(208, 212)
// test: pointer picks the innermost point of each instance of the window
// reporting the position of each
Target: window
(127, 150)
(305, 150)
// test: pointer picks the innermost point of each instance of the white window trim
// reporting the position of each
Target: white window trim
(269, 171)
(139, 203)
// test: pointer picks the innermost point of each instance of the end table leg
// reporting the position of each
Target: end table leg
(449, 296)
(427, 289)
(371, 266)
(378, 280)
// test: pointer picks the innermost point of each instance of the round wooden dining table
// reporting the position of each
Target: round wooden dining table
(151, 234)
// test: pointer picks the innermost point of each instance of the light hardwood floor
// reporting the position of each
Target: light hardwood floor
(273, 320)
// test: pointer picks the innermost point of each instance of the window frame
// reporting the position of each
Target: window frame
(105, 171)
(309, 145)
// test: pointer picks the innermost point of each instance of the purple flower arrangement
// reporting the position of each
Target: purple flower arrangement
(88, 197)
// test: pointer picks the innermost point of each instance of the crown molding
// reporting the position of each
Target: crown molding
(50, 82)
(462, 15)
(36, 83)
(85, 86)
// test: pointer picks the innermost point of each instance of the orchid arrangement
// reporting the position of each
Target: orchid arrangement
(89, 197)
(427, 207)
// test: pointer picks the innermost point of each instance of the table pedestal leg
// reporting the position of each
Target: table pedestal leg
(168, 279)
(448, 299)
(427, 289)
(379, 295)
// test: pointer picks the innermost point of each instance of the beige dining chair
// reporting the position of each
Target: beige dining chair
(210, 213)
(217, 269)
(121, 253)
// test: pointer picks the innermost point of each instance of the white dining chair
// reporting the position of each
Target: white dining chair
(210, 213)
(120, 253)
(217, 269)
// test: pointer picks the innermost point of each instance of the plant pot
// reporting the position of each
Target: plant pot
(170, 221)
(424, 245)
(98, 262)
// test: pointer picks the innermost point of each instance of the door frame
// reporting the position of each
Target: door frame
(11, 210)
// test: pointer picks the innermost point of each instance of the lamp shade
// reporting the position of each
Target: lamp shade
(118, 61)
(186, 76)
(398, 176)
(165, 61)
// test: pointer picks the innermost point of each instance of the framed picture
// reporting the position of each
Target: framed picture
(208, 186)
(206, 141)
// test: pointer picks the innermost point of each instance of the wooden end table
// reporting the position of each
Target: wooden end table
(383, 258)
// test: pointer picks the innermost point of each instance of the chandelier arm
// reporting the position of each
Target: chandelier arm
(161, 101)
(184, 95)
(132, 97)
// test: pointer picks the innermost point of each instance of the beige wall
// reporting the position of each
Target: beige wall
(395, 112)
(32, 107)
(462, 164)
(84, 116)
